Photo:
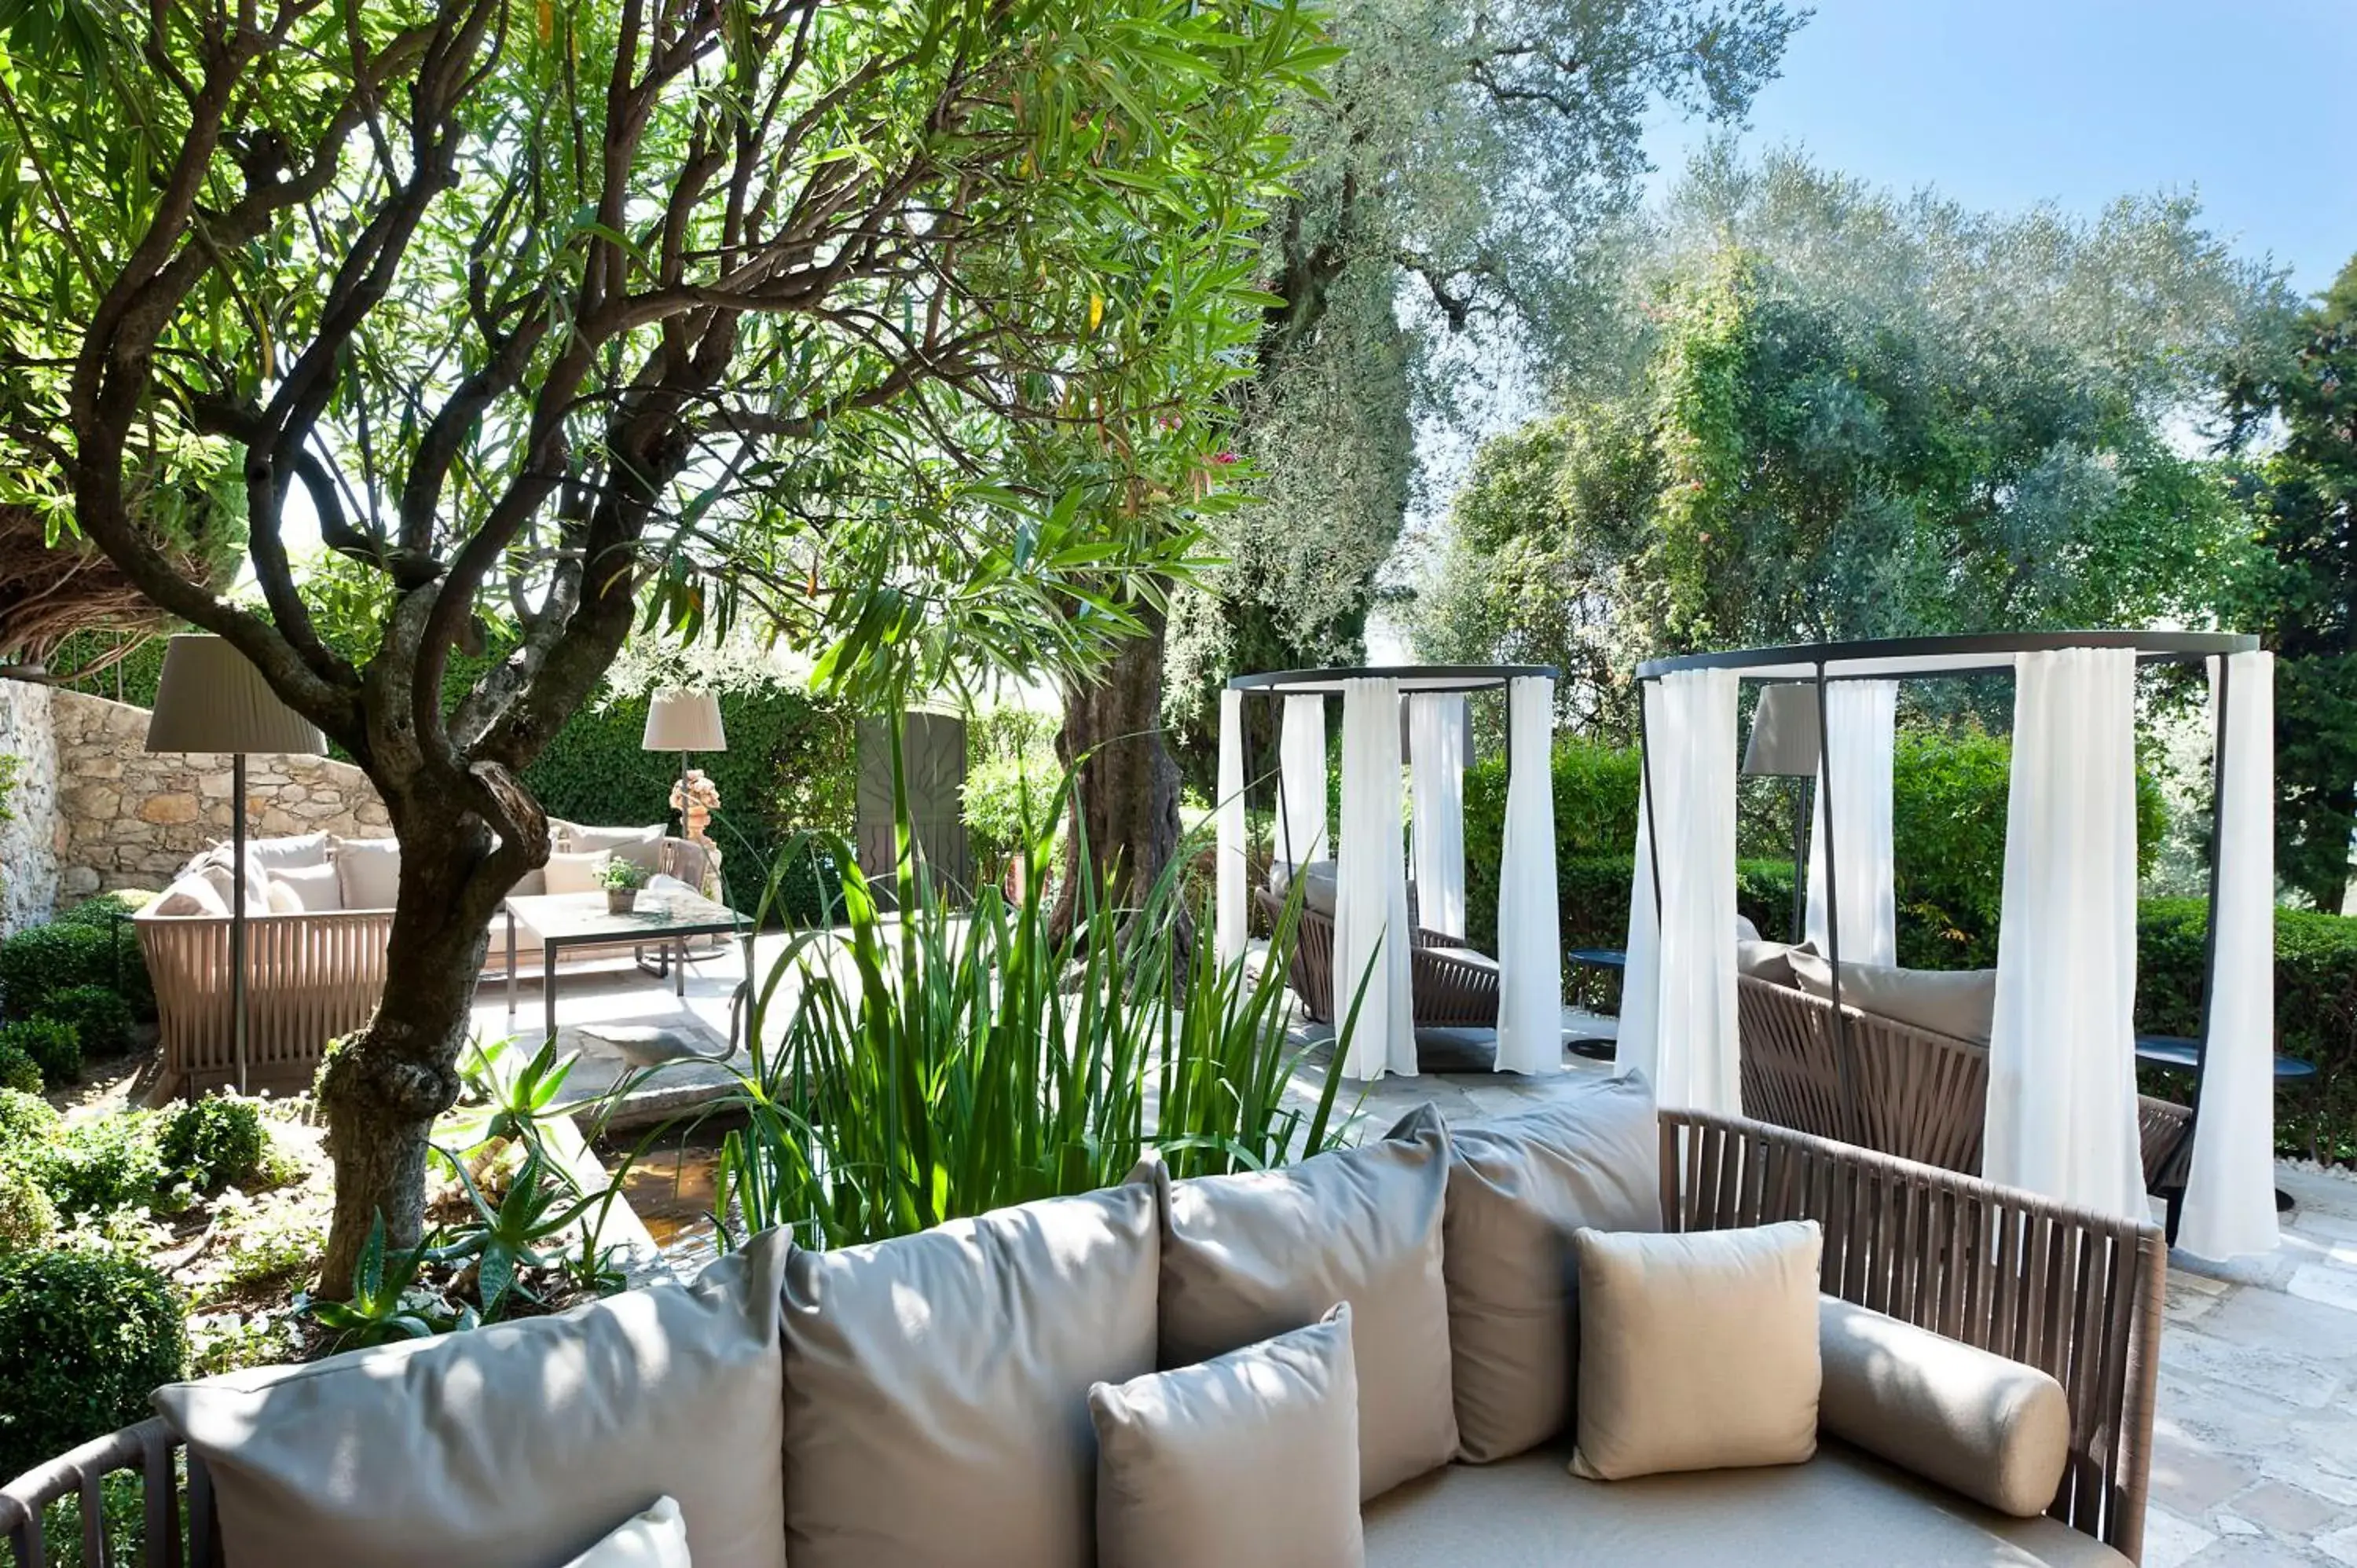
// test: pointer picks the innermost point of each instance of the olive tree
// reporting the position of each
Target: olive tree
(895, 318)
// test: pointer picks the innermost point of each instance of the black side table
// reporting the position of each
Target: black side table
(1616, 961)
(2176, 1053)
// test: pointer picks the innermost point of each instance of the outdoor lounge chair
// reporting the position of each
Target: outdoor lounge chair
(1906, 1091)
(1454, 986)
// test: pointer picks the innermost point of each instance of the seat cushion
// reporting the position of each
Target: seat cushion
(567, 872)
(518, 1445)
(1841, 1509)
(368, 871)
(1960, 1004)
(1247, 1460)
(1248, 1257)
(1518, 1187)
(937, 1385)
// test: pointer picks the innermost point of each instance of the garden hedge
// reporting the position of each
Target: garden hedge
(84, 1336)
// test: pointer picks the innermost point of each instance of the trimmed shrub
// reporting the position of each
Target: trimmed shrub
(38, 963)
(27, 1219)
(52, 1044)
(84, 1336)
(27, 1120)
(102, 909)
(213, 1142)
(17, 1072)
(2316, 1014)
(102, 1163)
(99, 1018)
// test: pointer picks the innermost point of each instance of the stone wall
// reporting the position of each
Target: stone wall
(34, 833)
(131, 818)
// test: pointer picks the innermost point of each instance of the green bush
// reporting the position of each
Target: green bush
(84, 1336)
(17, 1072)
(27, 1120)
(27, 1219)
(213, 1142)
(2315, 1013)
(101, 1164)
(104, 910)
(53, 1045)
(99, 1018)
(41, 960)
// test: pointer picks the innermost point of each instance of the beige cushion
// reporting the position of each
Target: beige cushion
(1765, 960)
(282, 900)
(195, 894)
(1248, 1460)
(219, 866)
(641, 846)
(274, 855)
(1697, 1351)
(368, 871)
(1318, 886)
(1842, 1509)
(1745, 931)
(531, 885)
(1518, 1188)
(1993, 1429)
(1245, 1257)
(315, 887)
(569, 872)
(655, 1539)
(937, 1409)
(1957, 1002)
(516, 1445)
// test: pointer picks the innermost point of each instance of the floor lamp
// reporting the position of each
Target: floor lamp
(684, 722)
(212, 699)
(1784, 746)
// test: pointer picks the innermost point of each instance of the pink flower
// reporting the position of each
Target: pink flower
(1224, 459)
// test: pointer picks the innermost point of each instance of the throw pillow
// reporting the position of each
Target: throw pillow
(1518, 1189)
(518, 1443)
(1697, 1351)
(642, 847)
(1960, 1004)
(1248, 1256)
(194, 894)
(655, 1539)
(576, 873)
(368, 871)
(1770, 961)
(272, 854)
(1247, 1460)
(283, 900)
(314, 887)
(937, 1385)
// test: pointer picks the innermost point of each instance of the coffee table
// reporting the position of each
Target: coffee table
(664, 919)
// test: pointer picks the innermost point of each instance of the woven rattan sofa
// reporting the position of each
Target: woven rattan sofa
(1453, 986)
(312, 977)
(1892, 1087)
(950, 1410)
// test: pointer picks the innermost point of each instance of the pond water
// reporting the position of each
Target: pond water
(670, 1185)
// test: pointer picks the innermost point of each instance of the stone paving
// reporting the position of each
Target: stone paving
(2255, 1446)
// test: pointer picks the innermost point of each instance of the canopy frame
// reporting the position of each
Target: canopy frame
(1952, 658)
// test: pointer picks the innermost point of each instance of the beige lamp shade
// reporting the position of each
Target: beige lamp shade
(1784, 732)
(683, 721)
(211, 698)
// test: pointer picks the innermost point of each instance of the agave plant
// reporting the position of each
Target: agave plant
(942, 1063)
(383, 1308)
(540, 1205)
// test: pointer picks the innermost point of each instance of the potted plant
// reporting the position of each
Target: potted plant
(621, 879)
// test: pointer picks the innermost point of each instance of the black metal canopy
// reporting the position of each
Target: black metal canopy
(1898, 658)
(1411, 678)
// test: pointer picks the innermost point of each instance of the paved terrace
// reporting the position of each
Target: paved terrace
(2255, 1444)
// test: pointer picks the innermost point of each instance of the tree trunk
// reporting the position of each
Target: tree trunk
(383, 1088)
(1126, 796)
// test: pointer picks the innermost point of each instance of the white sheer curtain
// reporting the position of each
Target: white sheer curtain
(1231, 877)
(2061, 1116)
(2230, 1206)
(1530, 940)
(1435, 733)
(1860, 718)
(1677, 1007)
(1301, 781)
(1371, 928)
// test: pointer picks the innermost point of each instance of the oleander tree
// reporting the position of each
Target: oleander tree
(897, 323)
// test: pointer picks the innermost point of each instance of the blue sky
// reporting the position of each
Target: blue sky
(2003, 103)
